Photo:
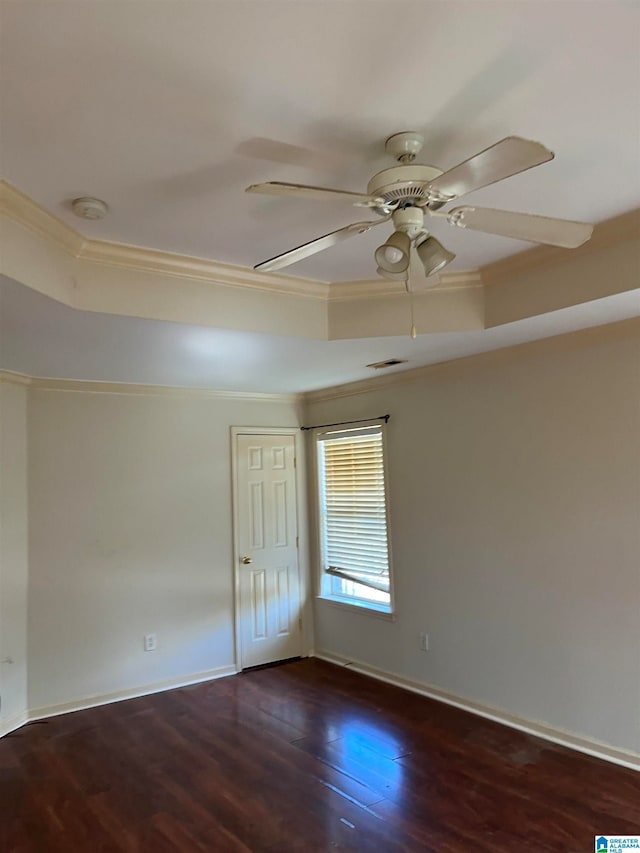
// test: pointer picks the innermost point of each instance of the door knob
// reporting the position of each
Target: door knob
(246, 560)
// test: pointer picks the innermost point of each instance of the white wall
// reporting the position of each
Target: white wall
(130, 533)
(515, 518)
(13, 555)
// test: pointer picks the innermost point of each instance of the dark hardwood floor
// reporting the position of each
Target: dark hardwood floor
(305, 756)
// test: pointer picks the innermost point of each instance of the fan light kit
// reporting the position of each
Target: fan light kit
(409, 194)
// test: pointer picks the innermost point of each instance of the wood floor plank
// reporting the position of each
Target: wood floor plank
(302, 757)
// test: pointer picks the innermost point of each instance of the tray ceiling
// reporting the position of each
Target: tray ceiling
(42, 338)
(168, 110)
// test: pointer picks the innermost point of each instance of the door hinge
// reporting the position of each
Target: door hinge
(295, 462)
(297, 542)
(300, 623)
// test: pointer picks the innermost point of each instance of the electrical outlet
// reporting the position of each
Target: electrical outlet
(424, 642)
(150, 642)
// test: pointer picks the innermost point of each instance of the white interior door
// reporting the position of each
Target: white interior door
(268, 581)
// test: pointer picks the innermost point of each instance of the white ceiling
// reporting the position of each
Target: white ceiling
(43, 338)
(167, 110)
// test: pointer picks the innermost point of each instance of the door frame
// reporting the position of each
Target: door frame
(306, 634)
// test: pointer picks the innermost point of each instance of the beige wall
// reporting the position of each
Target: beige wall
(130, 533)
(515, 516)
(515, 486)
(569, 279)
(13, 555)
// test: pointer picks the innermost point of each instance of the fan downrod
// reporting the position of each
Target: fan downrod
(404, 146)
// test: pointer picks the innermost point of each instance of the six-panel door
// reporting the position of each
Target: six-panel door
(269, 586)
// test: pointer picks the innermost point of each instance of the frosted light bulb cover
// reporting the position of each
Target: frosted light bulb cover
(433, 255)
(392, 254)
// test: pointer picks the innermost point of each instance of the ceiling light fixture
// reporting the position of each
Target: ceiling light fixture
(393, 276)
(433, 255)
(393, 256)
(409, 192)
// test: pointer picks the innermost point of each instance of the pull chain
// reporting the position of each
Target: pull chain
(413, 332)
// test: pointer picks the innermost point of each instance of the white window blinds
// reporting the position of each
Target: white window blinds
(353, 507)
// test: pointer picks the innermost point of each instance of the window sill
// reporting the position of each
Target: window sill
(362, 607)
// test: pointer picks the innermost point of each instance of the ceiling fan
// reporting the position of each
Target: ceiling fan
(410, 193)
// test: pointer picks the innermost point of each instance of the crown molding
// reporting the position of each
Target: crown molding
(342, 291)
(22, 209)
(141, 259)
(457, 280)
(138, 390)
(611, 232)
(36, 383)
(9, 377)
(563, 342)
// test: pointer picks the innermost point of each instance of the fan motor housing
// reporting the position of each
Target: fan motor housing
(402, 186)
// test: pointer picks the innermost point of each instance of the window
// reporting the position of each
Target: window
(354, 540)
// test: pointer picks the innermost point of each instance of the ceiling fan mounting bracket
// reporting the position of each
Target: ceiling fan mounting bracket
(404, 146)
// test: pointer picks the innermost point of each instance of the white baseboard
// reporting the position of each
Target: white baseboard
(10, 724)
(117, 696)
(625, 758)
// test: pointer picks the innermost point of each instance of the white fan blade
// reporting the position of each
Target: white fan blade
(318, 245)
(522, 226)
(279, 188)
(507, 157)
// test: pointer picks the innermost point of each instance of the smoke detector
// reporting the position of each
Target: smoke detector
(89, 208)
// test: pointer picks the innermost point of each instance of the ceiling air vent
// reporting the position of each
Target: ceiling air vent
(390, 362)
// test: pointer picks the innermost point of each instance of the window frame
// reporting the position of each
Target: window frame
(324, 581)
